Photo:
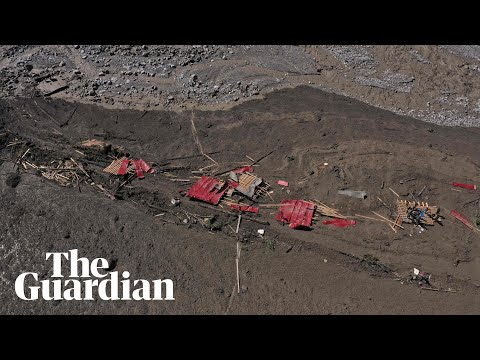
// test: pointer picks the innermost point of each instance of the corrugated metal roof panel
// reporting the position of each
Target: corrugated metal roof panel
(297, 213)
(206, 190)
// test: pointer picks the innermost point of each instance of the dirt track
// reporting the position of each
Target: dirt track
(325, 271)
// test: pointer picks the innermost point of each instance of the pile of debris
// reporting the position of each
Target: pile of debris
(125, 166)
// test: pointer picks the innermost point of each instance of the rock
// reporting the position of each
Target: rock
(170, 97)
(92, 93)
(76, 46)
(62, 63)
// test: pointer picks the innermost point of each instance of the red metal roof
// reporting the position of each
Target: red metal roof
(206, 190)
(298, 213)
(138, 169)
(245, 208)
(340, 222)
(243, 169)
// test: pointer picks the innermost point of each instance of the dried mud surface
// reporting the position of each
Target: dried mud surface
(356, 270)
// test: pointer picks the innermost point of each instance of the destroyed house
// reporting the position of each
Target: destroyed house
(208, 189)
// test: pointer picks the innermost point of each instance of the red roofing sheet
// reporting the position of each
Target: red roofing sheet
(205, 189)
(298, 213)
(466, 186)
(243, 169)
(138, 169)
(245, 208)
(340, 222)
(123, 167)
(460, 217)
(145, 166)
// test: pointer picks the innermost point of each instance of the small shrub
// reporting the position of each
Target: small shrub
(270, 244)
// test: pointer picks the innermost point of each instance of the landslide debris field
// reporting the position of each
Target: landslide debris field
(361, 269)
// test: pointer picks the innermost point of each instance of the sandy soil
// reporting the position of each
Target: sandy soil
(356, 270)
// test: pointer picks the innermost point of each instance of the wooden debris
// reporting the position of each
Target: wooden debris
(181, 180)
(273, 205)
(238, 224)
(327, 211)
(421, 191)
(49, 116)
(261, 158)
(192, 156)
(197, 141)
(370, 218)
(19, 158)
(390, 221)
(394, 192)
(383, 202)
(114, 167)
(442, 290)
(404, 205)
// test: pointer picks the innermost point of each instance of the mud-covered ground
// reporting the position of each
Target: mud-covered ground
(357, 270)
(437, 84)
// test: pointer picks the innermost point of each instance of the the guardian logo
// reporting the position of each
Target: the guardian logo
(92, 283)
